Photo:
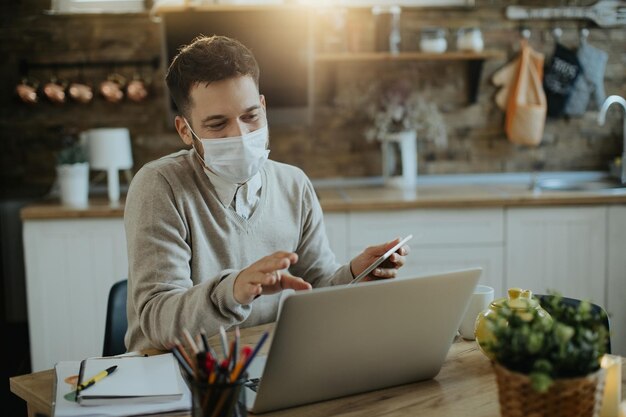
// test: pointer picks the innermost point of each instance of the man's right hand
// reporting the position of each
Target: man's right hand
(268, 275)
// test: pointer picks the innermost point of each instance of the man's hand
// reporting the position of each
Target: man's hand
(268, 276)
(388, 269)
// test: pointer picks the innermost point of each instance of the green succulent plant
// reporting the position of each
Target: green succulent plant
(568, 346)
(72, 153)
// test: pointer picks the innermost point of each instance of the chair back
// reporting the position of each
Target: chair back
(545, 299)
(116, 321)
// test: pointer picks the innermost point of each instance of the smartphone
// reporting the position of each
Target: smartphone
(380, 260)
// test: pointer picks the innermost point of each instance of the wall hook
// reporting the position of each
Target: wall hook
(583, 34)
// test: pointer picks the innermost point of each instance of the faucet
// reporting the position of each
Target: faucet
(602, 118)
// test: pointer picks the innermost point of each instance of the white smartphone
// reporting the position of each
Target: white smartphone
(380, 260)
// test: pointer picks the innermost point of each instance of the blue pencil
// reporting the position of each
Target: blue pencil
(253, 354)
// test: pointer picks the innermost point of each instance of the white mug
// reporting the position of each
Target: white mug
(479, 301)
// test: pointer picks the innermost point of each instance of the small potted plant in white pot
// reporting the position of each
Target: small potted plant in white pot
(73, 174)
(399, 116)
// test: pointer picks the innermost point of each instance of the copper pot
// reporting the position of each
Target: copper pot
(27, 92)
(137, 90)
(81, 93)
(113, 88)
(55, 92)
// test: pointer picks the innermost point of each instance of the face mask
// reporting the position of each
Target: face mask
(238, 158)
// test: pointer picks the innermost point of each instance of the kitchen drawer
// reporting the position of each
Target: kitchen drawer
(429, 227)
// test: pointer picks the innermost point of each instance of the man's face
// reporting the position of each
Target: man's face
(226, 108)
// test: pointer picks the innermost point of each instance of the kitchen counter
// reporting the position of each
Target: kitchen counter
(362, 194)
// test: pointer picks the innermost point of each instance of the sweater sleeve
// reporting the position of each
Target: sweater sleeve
(162, 296)
(317, 263)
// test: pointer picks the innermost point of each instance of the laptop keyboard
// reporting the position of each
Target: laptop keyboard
(253, 383)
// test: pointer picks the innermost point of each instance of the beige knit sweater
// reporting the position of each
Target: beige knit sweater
(185, 249)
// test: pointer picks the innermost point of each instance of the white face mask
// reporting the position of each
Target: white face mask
(238, 158)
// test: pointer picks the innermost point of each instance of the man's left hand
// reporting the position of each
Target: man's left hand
(388, 269)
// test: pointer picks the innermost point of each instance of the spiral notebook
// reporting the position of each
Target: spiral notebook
(137, 379)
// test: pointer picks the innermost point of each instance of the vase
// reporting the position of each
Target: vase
(74, 184)
(567, 397)
(399, 153)
(520, 301)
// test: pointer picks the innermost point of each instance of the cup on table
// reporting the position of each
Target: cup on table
(218, 399)
(479, 301)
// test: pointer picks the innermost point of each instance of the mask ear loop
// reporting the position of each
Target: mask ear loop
(194, 140)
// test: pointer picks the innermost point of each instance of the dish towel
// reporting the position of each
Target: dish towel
(559, 79)
(591, 81)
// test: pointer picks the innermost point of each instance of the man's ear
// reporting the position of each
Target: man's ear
(262, 98)
(183, 130)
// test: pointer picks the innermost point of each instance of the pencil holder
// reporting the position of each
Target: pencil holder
(218, 399)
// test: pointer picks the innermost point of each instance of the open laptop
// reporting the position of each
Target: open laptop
(336, 341)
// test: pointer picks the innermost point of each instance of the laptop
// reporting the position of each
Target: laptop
(337, 341)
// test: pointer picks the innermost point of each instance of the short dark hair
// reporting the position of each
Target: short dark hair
(205, 60)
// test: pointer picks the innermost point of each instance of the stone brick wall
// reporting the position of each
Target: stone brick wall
(334, 145)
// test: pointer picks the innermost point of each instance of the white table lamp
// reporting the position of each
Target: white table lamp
(109, 150)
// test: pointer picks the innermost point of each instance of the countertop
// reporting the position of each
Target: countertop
(363, 194)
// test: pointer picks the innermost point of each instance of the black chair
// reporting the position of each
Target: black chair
(544, 300)
(116, 321)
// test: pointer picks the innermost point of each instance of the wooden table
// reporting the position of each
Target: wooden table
(465, 386)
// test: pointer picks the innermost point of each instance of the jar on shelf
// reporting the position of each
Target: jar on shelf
(470, 39)
(387, 25)
(433, 40)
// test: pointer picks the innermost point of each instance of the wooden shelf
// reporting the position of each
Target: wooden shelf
(474, 62)
(407, 56)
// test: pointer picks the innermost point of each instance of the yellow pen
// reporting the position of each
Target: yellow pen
(96, 378)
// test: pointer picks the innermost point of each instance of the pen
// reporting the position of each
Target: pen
(236, 349)
(224, 341)
(245, 354)
(190, 342)
(181, 360)
(185, 355)
(96, 378)
(236, 376)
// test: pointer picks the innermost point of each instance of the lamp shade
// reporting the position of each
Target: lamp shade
(109, 148)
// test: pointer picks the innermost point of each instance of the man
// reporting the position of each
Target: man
(215, 233)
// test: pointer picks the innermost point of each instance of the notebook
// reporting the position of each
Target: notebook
(342, 340)
(64, 405)
(137, 379)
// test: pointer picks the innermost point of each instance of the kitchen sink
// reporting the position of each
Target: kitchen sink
(558, 184)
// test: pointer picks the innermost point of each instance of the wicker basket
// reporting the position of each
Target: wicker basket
(567, 397)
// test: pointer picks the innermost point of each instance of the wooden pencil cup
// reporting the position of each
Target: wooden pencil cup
(218, 399)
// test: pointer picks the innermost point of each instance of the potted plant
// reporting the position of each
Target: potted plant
(398, 108)
(399, 115)
(73, 173)
(547, 365)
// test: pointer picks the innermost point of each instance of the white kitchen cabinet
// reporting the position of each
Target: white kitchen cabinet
(337, 232)
(443, 240)
(70, 267)
(72, 263)
(558, 248)
(616, 291)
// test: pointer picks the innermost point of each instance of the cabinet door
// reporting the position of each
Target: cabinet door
(70, 267)
(616, 301)
(432, 260)
(337, 232)
(561, 249)
(443, 240)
